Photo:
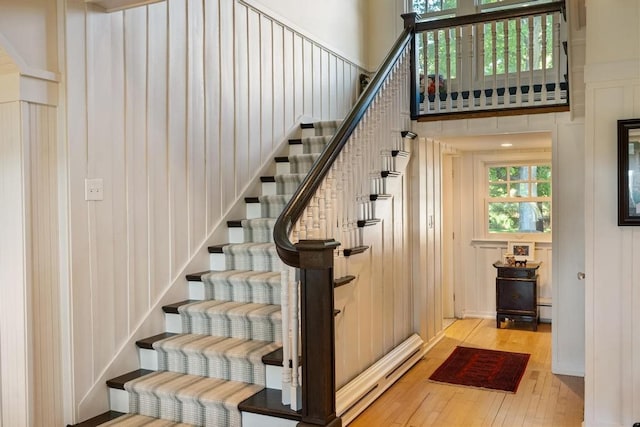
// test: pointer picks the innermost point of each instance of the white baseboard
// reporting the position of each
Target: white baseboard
(354, 397)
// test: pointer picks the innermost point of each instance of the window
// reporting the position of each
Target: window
(518, 198)
(435, 8)
(521, 39)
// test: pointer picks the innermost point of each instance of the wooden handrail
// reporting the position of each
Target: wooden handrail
(498, 15)
(301, 198)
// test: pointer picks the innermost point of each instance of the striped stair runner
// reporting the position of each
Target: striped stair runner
(217, 361)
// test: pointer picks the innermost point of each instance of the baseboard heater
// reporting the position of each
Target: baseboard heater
(354, 397)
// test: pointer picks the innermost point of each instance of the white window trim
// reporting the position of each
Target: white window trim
(481, 191)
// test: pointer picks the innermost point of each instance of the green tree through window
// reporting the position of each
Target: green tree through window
(519, 198)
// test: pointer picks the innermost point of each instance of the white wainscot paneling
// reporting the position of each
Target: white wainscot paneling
(177, 132)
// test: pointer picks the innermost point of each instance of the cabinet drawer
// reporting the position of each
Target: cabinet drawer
(516, 295)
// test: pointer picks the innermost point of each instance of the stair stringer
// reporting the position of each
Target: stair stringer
(126, 358)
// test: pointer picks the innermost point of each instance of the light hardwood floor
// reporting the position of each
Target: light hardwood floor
(542, 400)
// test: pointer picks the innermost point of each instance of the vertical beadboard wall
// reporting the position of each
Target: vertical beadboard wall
(30, 350)
(175, 105)
(376, 308)
(40, 124)
(14, 299)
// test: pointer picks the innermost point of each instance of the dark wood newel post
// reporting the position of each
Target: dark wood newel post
(318, 333)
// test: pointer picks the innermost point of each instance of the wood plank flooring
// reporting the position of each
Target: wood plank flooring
(542, 400)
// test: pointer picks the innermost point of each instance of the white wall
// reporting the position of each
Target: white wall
(30, 26)
(31, 390)
(612, 75)
(340, 25)
(176, 106)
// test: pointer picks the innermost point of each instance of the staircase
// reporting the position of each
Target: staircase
(222, 347)
(220, 360)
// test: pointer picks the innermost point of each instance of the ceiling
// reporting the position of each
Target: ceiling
(519, 141)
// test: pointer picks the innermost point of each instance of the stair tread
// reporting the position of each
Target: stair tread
(275, 358)
(173, 308)
(355, 250)
(216, 249)
(374, 197)
(199, 277)
(408, 134)
(341, 281)
(367, 222)
(193, 387)
(118, 382)
(230, 308)
(137, 420)
(147, 343)
(212, 346)
(385, 174)
(269, 402)
(399, 153)
(99, 419)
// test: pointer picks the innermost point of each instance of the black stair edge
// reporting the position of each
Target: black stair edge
(391, 174)
(234, 223)
(147, 343)
(295, 141)
(118, 382)
(374, 197)
(367, 222)
(99, 419)
(344, 280)
(173, 308)
(282, 159)
(267, 179)
(251, 200)
(306, 126)
(408, 134)
(217, 249)
(275, 358)
(399, 153)
(354, 251)
(196, 277)
(268, 402)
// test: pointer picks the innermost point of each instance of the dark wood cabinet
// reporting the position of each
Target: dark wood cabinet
(517, 294)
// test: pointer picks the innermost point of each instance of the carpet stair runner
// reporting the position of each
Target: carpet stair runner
(212, 356)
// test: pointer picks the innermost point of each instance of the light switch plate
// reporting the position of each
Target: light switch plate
(93, 189)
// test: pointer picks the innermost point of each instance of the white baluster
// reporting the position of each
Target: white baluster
(286, 336)
(519, 62)
(531, 97)
(543, 58)
(296, 390)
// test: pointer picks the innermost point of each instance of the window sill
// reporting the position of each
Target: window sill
(502, 243)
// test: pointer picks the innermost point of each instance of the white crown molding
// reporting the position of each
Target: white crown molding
(116, 5)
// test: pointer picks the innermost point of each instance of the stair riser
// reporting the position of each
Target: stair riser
(118, 400)
(222, 262)
(258, 420)
(273, 374)
(253, 210)
(236, 328)
(261, 293)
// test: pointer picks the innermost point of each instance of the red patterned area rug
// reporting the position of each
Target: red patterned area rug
(477, 367)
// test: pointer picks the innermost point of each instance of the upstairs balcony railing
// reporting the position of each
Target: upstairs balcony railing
(503, 60)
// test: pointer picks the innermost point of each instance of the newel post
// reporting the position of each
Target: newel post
(318, 333)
